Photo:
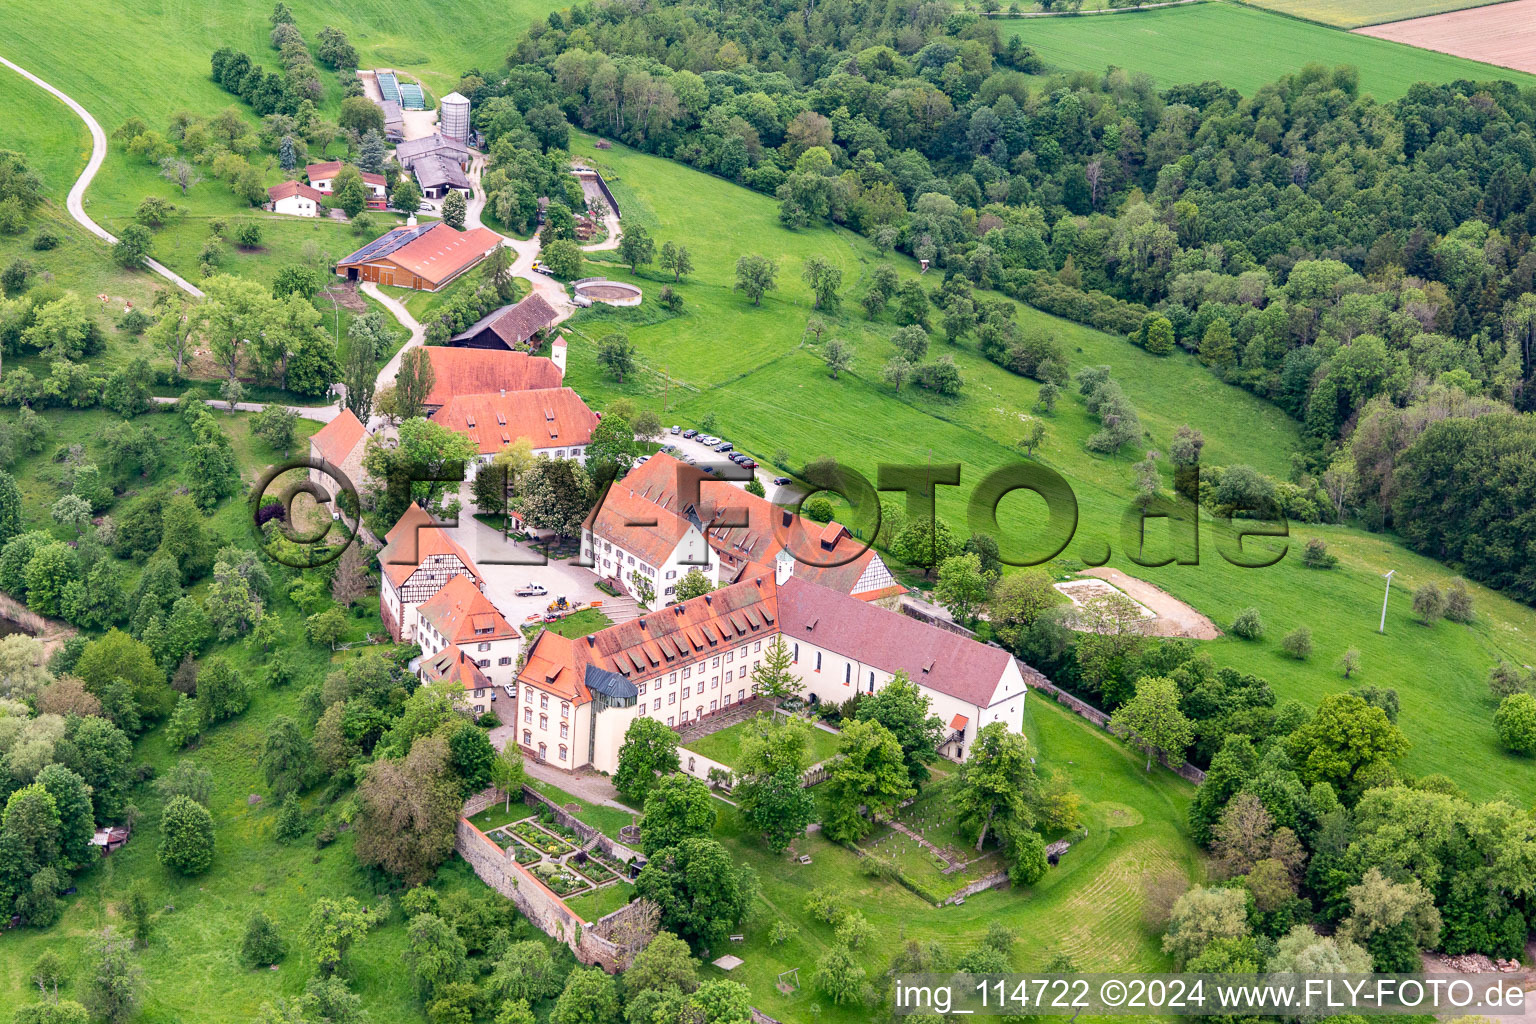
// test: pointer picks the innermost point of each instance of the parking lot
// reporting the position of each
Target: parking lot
(705, 455)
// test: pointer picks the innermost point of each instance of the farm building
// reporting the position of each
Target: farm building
(432, 145)
(421, 256)
(509, 326)
(394, 121)
(296, 199)
(437, 176)
(341, 443)
(474, 371)
(322, 178)
(555, 421)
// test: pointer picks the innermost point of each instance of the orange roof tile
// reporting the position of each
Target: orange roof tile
(480, 371)
(337, 439)
(328, 170)
(294, 188)
(462, 614)
(454, 666)
(441, 253)
(645, 646)
(640, 527)
(412, 541)
(824, 554)
(548, 418)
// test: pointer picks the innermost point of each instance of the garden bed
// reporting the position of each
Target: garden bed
(541, 840)
(562, 881)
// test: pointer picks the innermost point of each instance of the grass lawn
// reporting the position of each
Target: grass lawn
(607, 820)
(725, 745)
(602, 902)
(53, 139)
(1360, 13)
(1242, 47)
(588, 620)
(499, 814)
(1089, 907)
(756, 386)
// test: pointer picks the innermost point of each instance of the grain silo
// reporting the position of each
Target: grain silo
(454, 123)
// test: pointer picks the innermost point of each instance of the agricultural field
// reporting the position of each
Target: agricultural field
(1360, 13)
(1502, 34)
(1195, 43)
(860, 421)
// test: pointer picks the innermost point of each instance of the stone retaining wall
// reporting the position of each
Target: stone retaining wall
(500, 870)
(996, 880)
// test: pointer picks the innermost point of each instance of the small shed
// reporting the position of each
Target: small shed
(110, 838)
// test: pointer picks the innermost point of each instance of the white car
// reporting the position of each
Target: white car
(532, 590)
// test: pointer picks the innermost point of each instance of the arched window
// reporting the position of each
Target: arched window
(543, 751)
(562, 751)
(543, 721)
(527, 738)
(818, 661)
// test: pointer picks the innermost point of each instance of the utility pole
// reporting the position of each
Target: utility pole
(1388, 576)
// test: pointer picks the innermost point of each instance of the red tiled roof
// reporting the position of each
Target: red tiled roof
(481, 371)
(556, 665)
(824, 554)
(442, 252)
(452, 665)
(411, 541)
(932, 657)
(462, 614)
(645, 646)
(548, 418)
(337, 439)
(294, 188)
(638, 526)
(329, 169)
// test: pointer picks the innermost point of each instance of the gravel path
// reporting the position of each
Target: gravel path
(1174, 617)
(76, 200)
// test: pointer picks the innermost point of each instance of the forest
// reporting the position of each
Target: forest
(1367, 267)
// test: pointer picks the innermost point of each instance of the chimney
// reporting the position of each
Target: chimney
(783, 567)
(788, 517)
(503, 392)
(642, 625)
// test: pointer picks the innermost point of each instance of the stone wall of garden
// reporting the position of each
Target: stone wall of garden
(500, 870)
(611, 847)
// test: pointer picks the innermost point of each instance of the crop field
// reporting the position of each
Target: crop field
(1504, 34)
(1359, 13)
(769, 391)
(1202, 42)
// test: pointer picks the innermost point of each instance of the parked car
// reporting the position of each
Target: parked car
(724, 446)
(747, 464)
(780, 481)
(531, 590)
(642, 460)
(677, 430)
(511, 691)
(690, 432)
(708, 469)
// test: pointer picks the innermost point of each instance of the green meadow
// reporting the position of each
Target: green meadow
(1090, 908)
(761, 377)
(1243, 47)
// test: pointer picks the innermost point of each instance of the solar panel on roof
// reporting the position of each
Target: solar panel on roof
(388, 243)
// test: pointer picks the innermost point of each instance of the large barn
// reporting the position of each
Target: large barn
(421, 256)
(509, 326)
